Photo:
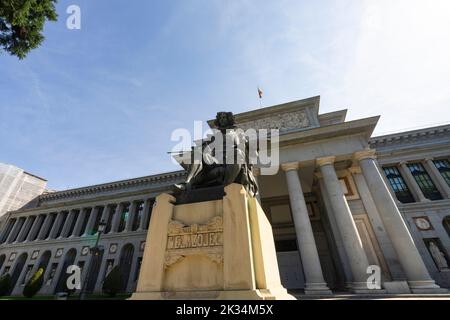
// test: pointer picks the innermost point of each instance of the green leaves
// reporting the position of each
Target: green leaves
(22, 22)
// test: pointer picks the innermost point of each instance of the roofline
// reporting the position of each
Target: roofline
(426, 130)
(108, 185)
(33, 175)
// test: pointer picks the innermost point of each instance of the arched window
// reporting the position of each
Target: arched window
(69, 259)
(125, 261)
(18, 270)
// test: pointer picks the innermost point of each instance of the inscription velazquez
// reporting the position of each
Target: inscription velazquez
(196, 240)
(184, 240)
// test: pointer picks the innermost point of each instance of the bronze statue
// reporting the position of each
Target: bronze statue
(216, 168)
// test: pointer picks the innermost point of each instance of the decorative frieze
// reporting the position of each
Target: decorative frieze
(283, 121)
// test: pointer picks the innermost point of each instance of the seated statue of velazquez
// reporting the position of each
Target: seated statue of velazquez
(217, 167)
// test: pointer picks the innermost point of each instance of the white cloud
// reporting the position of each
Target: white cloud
(372, 57)
(399, 66)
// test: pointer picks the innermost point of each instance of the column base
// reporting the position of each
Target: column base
(426, 286)
(319, 288)
(361, 288)
(396, 287)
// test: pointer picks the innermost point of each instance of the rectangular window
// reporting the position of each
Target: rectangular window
(85, 222)
(73, 223)
(424, 181)
(5, 235)
(110, 215)
(20, 226)
(398, 184)
(97, 219)
(443, 166)
(149, 213)
(52, 221)
(124, 216)
(61, 224)
(138, 216)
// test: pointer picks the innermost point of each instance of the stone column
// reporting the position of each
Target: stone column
(315, 283)
(131, 216)
(116, 218)
(91, 222)
(69, 220)
(35, 228)
(437, 178)
(45, 226)
(9, 223)
(25, 228)
(346, 225)
(416, 272)
(56, 225)
(79, 224)
(391, 258)
(145, 213)
(17, 226)
(411, 182)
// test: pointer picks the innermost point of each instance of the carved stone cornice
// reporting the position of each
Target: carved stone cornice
(113, 186)
(409, 136)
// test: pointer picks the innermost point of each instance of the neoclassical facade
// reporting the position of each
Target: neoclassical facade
(342, 200)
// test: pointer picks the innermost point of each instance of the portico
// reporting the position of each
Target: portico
(332, 208)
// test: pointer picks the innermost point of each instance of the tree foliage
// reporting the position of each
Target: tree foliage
(113, 282)
(22, 22)
(34, 284)
(5, 284)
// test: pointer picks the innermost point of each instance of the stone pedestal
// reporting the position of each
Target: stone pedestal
(220, 249)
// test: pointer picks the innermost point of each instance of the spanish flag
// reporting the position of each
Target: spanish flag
(260, 93)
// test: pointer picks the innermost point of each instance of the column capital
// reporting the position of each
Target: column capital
(403, 163)
(325, 160)
(354, 169)
(364, 154)
(290, 166)
(428, 159)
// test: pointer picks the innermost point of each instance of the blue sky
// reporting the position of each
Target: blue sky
(99, 104)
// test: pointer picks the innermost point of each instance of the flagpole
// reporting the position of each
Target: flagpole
(260, 96)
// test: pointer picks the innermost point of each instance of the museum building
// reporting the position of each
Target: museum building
(342, 200)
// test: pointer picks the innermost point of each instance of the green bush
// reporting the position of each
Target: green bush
(34, 284)
(5, 284)
(113, 282)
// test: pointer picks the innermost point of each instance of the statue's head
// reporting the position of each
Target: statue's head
(224, 120)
